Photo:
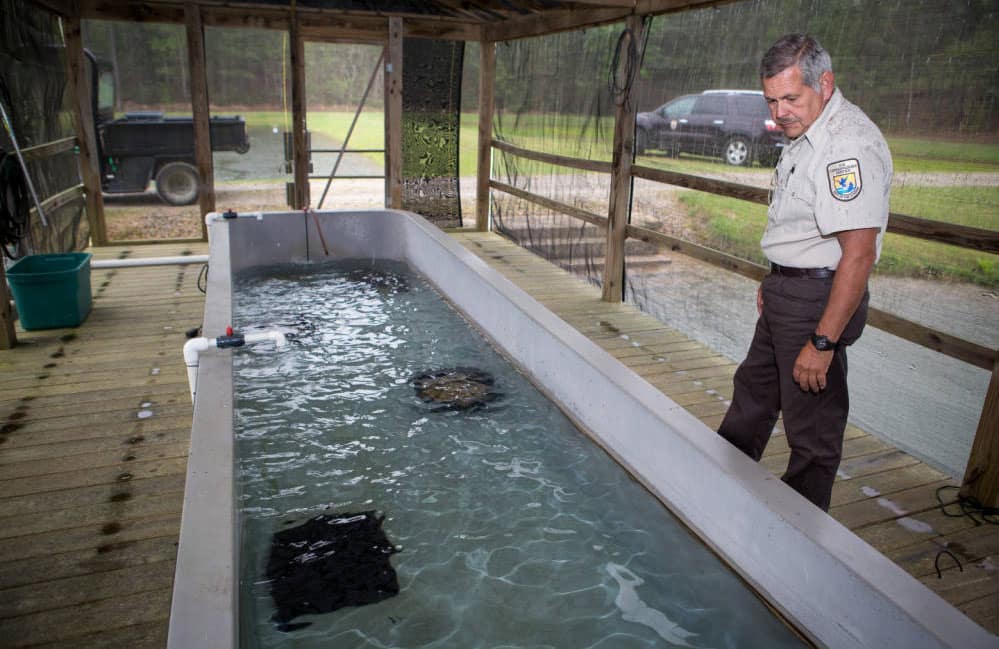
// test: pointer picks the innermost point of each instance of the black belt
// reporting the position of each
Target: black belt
(811, 273)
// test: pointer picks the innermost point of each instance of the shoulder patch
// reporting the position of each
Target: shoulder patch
(844, 179)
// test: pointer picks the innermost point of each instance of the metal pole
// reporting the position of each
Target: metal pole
(350, 131)
(24, 167)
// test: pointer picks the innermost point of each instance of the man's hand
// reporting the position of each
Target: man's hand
(810, 368)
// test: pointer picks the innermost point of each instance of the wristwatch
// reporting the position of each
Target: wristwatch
(822, 343)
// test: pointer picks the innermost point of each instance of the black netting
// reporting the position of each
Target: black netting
(924, 72)
(33, 92)
(431, 105)
(553, 96)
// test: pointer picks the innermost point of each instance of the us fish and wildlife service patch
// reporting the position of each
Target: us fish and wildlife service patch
(844, 179)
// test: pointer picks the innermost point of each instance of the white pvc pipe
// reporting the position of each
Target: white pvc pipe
(194, 347)
(149, 261)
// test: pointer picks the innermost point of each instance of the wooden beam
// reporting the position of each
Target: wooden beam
(623, 156)
(199, 110)
(952, 233)
(551, 158)
(709, 255)
(58, 7)
(981, 478)
(487, 94)
(136, 12)
(300, 155)
(552, 22)
(65, 197)
(80, 89)
(912, 226)
(48, 149)
(393, 115)
(8, 335)
(557, 206)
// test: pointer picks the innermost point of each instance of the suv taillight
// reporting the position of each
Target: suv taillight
(770, 125)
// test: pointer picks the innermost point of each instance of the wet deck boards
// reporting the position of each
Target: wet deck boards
(95, 427)
(887, 497)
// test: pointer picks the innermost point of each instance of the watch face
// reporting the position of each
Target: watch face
(822, 343)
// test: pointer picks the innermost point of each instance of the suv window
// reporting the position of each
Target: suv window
(751, 106)
(711, 105)
(677, 108)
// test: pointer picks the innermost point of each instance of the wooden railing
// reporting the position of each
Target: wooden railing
(981, 478)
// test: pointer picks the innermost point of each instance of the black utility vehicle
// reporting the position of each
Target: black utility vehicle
(733, 124)
(140, 147)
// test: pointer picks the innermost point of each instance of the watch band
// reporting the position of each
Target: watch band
(823, 344)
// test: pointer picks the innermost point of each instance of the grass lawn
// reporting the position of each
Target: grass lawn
(736, 226)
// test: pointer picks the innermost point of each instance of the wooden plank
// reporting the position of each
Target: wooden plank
(970, 582)
(969, 544)
(930, 230)
(584, 164)
(551, 204)
(76, 591)
(487, 94)
(619, 207)
(48, 149)
(938, 341)
(80, 514)
(120, 462)
(888, 507)
(393, 115)
(887, 483)
(151, 635)
(981, 478)
(87, 476)
(951, 233)
(79, 84)
(8, 334)
(300, 154)
(198, 77)
(120, 444)
(65, 624)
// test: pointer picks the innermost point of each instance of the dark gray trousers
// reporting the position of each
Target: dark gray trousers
(764, 388)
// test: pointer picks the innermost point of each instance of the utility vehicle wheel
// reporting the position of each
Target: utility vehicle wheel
(177, 183)
(737, 152)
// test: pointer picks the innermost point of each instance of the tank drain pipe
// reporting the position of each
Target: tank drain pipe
(194, 347)
(148, 261)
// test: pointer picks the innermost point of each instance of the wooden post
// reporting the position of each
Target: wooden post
(81, 92)
(299, 138)
(199, 111)
(623, 155)
(487, 92)
(8, 336)
(393, 115)
(981, 478)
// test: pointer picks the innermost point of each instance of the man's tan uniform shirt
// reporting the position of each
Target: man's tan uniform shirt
(834, 177)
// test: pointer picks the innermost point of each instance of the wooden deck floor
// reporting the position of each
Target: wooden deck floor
(95, 424)
(885, 496)
(95, 427)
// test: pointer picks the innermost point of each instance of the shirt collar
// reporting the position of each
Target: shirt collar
(817, 131)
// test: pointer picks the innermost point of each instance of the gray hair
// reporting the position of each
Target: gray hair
(801, 50)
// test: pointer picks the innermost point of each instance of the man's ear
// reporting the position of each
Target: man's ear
(828, 84)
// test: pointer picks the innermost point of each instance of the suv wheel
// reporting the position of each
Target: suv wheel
(641, 141)
(177, 183)
(737, 152)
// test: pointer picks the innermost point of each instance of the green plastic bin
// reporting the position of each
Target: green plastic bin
(51, 291)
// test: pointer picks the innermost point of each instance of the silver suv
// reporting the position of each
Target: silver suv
(735, 125)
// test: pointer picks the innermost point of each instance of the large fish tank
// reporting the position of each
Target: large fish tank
(755, 539)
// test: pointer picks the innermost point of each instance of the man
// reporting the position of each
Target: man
(826, 220)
